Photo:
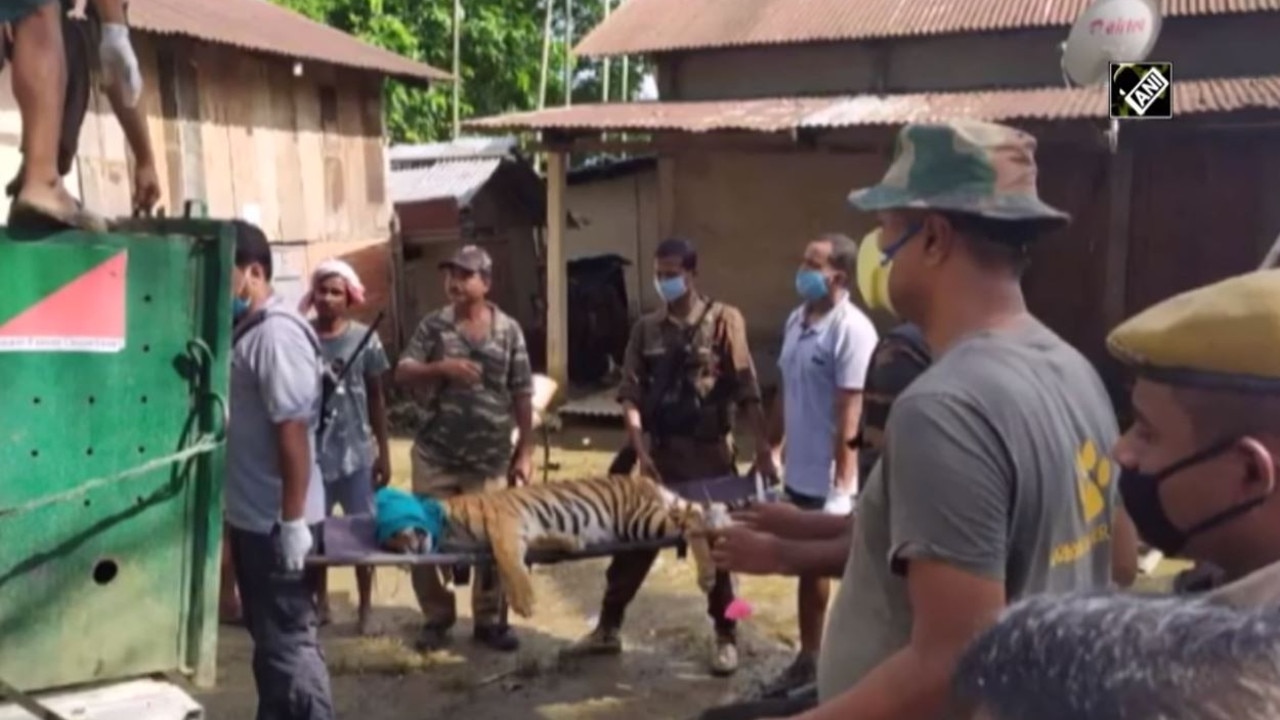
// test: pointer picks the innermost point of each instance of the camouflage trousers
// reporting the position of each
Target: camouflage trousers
(437, 602)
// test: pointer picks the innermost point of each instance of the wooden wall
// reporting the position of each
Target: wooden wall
(302, 156)
(1199, 206)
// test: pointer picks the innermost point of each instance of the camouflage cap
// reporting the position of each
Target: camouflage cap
(964, 166)
(471, 258)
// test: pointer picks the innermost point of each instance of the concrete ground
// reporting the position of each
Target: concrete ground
(662, 674)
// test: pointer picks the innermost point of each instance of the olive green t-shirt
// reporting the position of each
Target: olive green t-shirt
(995, 462)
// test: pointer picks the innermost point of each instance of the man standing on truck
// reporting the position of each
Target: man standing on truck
(471, 358)
(687, 365)
(275, 497)
(50, 84)
(98, 46)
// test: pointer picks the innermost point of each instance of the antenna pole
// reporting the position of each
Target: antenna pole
(604, 88)
(457, 67)
(546, 55)
(568, 53)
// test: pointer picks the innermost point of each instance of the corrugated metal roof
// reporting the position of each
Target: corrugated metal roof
(456, 179)
(763, 115)
(265, 27)
(782, 114)
(459, 149)
(648, 26)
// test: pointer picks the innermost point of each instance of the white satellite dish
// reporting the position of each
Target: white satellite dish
(1109, 31)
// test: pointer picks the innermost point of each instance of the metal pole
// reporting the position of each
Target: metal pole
(457, 68)
(604, 88)
(626, 79)
(568, 53)
(546, 55)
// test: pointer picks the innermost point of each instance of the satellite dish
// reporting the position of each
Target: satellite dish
(1109, 31)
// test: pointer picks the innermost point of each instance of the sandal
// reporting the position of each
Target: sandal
(26, 216)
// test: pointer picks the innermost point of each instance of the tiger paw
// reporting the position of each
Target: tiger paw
(522, 606)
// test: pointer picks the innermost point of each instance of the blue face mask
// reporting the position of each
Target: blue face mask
(239, 306)
(811, 285)
(671, 289)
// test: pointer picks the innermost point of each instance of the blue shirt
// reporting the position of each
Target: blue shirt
(817, 362)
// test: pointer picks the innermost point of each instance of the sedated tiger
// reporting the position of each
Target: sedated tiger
(567, 516)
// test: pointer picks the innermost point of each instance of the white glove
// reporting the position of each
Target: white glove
(120, 63)
(839, 502)
(295, 543)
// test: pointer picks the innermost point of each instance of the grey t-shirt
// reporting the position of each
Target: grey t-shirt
(275, 378)
(995, 462)
(348, 444)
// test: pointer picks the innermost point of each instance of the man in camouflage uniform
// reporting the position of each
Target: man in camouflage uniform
(471, 359)
(680, 425)
(1199, 463)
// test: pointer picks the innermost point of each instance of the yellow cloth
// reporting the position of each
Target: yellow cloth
(873, 272)
(1227, 332)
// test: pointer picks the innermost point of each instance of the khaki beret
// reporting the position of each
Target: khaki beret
(1222, 335)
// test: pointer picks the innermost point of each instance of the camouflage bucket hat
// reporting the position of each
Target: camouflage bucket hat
(963, 166)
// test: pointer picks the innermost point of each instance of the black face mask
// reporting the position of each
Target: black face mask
(1141, 494)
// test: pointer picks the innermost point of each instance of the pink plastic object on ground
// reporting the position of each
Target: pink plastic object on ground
(739, 609)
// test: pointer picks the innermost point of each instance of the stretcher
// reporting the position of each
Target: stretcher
(349, 541)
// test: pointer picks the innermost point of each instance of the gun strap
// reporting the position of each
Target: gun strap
(327, 397)
(663, 382)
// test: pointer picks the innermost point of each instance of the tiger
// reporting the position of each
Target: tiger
(567, 516)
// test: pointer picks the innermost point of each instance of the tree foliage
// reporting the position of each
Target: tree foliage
(501, 55)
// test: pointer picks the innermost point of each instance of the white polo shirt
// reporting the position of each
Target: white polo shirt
(816, 361)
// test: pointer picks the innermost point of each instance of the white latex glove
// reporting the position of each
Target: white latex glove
(295, 543)
(839, 502)
(120, 63)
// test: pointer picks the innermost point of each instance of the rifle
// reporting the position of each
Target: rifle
(331, 384)
(669, 367)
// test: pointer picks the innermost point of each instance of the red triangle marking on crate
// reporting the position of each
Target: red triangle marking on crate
(90, 306)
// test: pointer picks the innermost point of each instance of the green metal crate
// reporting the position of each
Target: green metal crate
(113, 379)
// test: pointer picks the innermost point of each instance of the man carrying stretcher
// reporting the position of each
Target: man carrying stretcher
(687, 364)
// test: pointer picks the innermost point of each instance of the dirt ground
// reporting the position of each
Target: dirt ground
(661, 675)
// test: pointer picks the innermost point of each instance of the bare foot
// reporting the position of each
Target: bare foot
(42, 204)
(364, 621)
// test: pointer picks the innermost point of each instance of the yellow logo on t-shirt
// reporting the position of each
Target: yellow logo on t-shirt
(1094, 473)
(1093, 476)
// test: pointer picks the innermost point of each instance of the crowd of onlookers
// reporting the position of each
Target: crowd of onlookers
(963, 475)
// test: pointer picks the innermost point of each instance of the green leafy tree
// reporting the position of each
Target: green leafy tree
(501, 55)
